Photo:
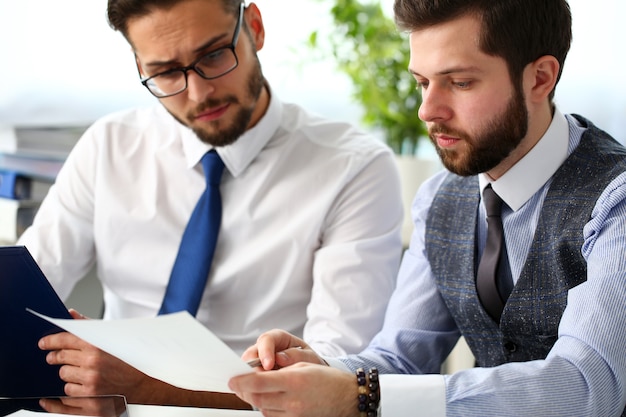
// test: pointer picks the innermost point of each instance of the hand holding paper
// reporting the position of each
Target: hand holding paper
(173, 348)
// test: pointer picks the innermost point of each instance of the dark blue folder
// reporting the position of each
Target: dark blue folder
(24, 371)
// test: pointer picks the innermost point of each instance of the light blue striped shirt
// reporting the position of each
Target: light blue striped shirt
(584, 373)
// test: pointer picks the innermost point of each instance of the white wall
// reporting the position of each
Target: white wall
(592, 82)
(62, 62)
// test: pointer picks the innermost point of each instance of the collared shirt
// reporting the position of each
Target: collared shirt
(584, 373)
(310, 233)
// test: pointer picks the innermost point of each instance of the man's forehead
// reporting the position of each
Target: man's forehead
(449, 45)
(191, 26)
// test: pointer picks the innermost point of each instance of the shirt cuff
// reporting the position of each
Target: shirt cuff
(336, 363)
(412, 395)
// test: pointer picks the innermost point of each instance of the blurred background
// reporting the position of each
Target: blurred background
(63, 64)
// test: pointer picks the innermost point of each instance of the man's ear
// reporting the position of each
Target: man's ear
(254, 21)
(540, 78)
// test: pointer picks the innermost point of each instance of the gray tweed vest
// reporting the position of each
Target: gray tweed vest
(529, 323)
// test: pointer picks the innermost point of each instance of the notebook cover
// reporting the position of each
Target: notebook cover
(23, 368)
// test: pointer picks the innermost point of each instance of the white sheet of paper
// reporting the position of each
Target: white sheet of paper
(174, 348)
(135, 410)
(28, 413)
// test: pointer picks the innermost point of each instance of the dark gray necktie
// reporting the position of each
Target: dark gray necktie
(487, 275)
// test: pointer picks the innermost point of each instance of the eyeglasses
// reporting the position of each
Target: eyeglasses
(212, 65)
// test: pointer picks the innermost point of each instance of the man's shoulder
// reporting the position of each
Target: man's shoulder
(133, 128)
(336, 134)
(590, 130)
(146, 117)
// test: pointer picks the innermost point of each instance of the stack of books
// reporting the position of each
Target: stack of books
(40, 142)
(30, 158)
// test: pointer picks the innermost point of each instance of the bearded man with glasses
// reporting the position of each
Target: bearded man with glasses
(309, 238)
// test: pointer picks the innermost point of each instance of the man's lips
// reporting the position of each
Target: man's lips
(445, 141)
(212, 114)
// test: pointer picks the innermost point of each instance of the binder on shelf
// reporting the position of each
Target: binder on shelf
(18, 186)
(15, 217)
(54, 142)
(35, 167)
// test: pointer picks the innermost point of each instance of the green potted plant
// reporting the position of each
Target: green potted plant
(366, 46)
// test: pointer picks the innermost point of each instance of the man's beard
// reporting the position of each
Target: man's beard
(239, 124)
(486, 149)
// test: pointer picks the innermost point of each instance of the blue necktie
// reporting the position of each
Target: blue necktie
(193, 262)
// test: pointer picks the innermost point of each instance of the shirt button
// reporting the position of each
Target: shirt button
(510, 347)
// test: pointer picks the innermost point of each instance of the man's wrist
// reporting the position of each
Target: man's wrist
(368, 392)
(337, 364)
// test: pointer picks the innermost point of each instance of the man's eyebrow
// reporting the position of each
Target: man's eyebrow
(198, 50)
(451, 70)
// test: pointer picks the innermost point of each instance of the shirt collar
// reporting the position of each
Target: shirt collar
(244, 150)
(531, 172)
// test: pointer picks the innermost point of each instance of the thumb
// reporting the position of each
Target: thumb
(76, 315)
(294, 355)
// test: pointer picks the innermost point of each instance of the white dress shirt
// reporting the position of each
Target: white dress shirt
(310, 233)
(585, 371)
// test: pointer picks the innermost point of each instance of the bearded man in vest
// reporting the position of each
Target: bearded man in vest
(548, 330)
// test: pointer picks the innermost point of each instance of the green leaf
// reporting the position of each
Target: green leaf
(368, 48)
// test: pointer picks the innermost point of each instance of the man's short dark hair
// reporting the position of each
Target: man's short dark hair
(519, 31)
(119, 12)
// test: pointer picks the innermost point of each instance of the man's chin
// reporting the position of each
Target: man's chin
(216, 138)
(454, 163)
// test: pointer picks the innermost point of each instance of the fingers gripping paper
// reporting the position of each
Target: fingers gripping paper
(174, 348)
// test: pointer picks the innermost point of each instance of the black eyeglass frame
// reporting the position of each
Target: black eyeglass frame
(192, 66)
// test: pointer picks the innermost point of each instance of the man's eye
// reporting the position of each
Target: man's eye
(169, 75)
(213, 57)
(463, 84)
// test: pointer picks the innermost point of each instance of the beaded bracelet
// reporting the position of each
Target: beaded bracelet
(368, 392)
